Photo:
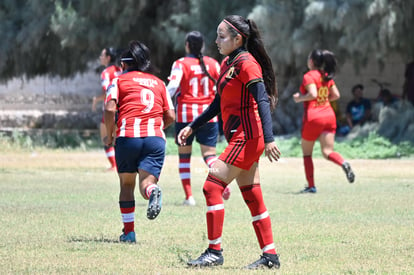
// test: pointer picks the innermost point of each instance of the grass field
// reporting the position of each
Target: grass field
(59, 215)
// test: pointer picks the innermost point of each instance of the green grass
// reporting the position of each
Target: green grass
(371, 147)
(59, 215)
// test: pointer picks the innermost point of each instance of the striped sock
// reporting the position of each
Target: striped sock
(149, 189)
(185, 173)
(110, 154)
(213, 188)
(210, 159)
(252, 195)
(128, 215)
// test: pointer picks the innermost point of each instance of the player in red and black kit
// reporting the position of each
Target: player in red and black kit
(244, 87)
(319, 122)
(192, 82)
(107, 59)
(144, 110)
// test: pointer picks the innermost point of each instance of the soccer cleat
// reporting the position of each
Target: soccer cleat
(266, 260)
(189, 202)
(128, 238)
(210, 257)
(309, 190)
(155, 203)
(226, 193)
(348, 172)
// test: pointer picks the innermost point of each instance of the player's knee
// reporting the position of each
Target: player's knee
(213, 191)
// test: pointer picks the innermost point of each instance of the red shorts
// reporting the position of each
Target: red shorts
(311, 130)
(243, 153)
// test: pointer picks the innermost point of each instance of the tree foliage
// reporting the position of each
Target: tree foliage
(61, 37)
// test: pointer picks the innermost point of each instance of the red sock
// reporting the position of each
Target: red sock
(110, 154)
(252, 195)
(185, 173)
(336, 158)
(149, 189)
(128, 215)
(210, 159)
(213, 188)
(308, 162)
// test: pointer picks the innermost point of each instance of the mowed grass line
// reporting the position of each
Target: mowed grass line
(59, 214)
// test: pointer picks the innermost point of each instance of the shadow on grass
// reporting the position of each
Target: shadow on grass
(91, 240)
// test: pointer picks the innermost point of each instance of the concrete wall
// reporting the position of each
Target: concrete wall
(393, 73)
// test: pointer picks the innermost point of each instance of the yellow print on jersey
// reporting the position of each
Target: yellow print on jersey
(230, 72)
(323, 94)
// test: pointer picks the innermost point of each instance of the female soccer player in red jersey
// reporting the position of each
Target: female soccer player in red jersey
(144, 110)
(107, 59)
(319, 122)
(192, 81)
(244, 87)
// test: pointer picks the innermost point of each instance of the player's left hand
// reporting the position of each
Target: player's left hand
(108, 140)
(272, 152)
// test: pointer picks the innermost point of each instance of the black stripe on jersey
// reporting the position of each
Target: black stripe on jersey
(235, 151)
(244, 113)
(233, 122)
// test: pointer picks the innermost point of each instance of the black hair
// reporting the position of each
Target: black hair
(325, 62)
(357, 86)
(254, 44)
(195, 42)
(112, 53)
(137, 57)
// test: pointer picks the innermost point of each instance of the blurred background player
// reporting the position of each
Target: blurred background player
(144, 109)
(319, 122)
(192, 83)
(107, 59)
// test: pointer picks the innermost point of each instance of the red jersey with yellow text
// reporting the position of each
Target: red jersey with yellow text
(108, 74)
(195, 90)
(239, 110)
(320, 106)
(142, 100)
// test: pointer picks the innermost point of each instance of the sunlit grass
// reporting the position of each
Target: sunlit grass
(59, 214)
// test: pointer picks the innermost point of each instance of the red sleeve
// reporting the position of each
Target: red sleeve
(249, 71)
(308, 79)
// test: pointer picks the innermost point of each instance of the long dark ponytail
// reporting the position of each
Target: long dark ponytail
(254, 44)
(195, 42)
(325, 62)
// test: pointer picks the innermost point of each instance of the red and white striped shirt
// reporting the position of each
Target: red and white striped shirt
(142, 99)
(194, 89)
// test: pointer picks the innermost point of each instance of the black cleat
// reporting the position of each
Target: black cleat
(348, 172)
(155, 203)
(210, 257)
(266, 260)
(308, 190)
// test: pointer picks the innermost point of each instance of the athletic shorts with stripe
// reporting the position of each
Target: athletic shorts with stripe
(243, 153)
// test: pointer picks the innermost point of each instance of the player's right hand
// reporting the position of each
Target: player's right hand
(183, 135)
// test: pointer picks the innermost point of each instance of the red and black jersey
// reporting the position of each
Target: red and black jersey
(142, 99)
(239, 110)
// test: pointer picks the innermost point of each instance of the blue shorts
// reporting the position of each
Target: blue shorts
(146, 153)
(205, 135)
